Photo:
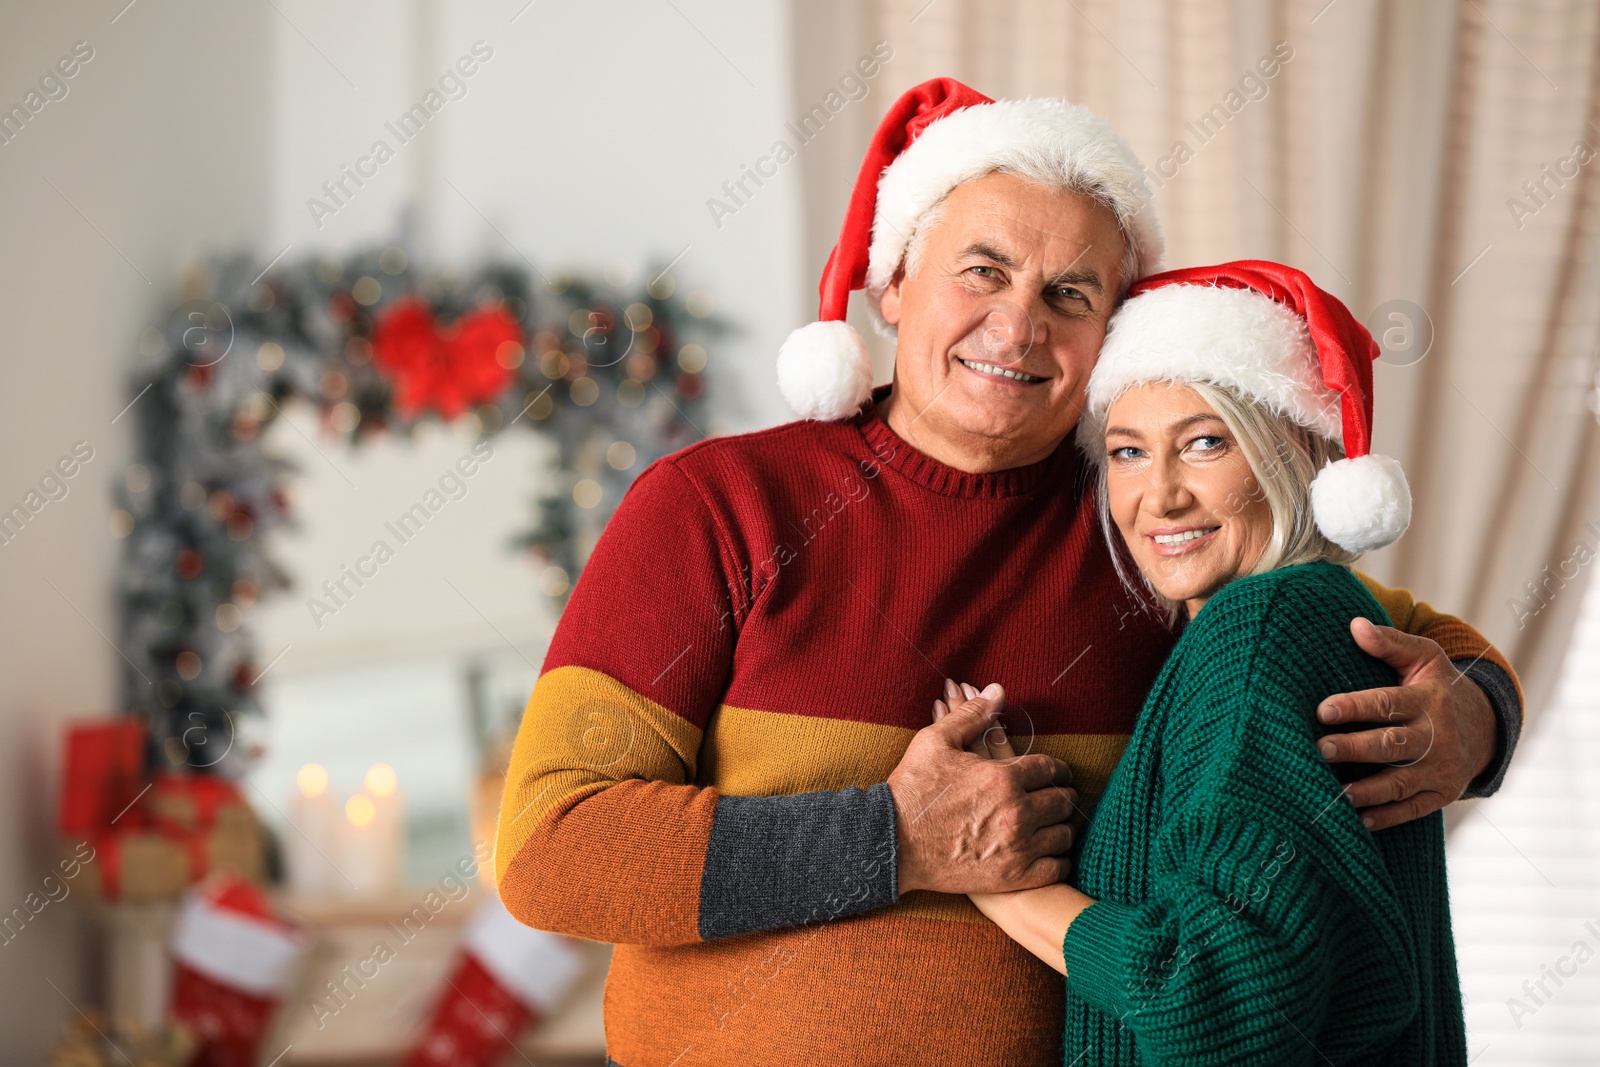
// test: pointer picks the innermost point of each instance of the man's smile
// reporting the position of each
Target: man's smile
(996, 371)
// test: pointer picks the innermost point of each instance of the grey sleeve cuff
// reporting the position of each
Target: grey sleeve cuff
(789, 860)
(1502, 693)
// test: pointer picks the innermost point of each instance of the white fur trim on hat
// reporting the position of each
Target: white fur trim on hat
(1361, 504)
(825, 371)
(1067, 139)
(1224, 336)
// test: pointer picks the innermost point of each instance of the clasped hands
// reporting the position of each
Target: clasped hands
(973, 816)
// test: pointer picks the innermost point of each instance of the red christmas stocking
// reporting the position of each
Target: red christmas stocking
(234, 961)
(507, 977)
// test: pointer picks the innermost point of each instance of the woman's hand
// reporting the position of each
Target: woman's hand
(1038, 918)
(994, 744)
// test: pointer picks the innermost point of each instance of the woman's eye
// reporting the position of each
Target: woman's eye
(1125, 452)
(1209, 443)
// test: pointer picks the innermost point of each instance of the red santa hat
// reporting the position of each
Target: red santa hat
(939, 134)
(1268, 332)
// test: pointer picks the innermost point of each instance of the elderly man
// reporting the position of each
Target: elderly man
(725, 767)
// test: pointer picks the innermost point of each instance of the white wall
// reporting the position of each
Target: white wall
(161, 146)
(591, 136)
(594, 133)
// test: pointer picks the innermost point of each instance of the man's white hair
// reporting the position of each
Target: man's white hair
(1044, 140)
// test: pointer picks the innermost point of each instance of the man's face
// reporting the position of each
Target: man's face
(1014, 277)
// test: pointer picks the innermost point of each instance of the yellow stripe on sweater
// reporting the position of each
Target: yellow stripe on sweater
(767, 753)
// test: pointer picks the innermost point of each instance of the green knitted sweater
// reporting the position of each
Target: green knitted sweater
(1243, 913)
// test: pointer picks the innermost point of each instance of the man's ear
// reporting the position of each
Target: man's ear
(889, 303)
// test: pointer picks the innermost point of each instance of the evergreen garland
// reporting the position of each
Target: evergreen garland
(611, 378)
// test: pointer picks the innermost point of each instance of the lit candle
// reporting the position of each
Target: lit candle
(313, 837)
(361, 859)
(383, 786)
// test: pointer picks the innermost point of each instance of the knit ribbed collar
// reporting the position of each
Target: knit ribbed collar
(892, 451)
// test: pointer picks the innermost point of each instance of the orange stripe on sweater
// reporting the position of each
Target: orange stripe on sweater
(877, 988)
(582, 731)
(620, 863)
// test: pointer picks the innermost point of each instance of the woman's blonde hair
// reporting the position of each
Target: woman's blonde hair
(1284, 457)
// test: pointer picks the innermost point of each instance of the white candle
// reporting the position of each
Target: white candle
(312, 842)
(362, 858)
(383, 786)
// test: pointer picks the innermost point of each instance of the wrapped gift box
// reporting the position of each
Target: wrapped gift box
(189, 802)
(102, 773)
(133, 865)
(151, 835)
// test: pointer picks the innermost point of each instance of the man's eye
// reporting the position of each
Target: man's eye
(1071, 293)
(981, 267)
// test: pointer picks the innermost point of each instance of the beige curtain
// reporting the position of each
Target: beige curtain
(1387, 155)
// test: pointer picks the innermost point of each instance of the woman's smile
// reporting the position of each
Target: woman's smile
(1180, 540)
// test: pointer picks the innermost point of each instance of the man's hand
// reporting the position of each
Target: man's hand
(1439, 734)
(970, 824)
(993, 742)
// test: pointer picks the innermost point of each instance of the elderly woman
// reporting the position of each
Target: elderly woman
(1230, 906)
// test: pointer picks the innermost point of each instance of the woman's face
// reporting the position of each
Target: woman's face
(1182, 493)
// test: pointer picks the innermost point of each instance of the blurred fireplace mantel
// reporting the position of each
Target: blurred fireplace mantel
(373, 1021)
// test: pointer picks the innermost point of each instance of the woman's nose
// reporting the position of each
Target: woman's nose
(1167, 492)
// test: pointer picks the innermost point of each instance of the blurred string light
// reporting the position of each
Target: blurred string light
(380, 780)
(312, 780)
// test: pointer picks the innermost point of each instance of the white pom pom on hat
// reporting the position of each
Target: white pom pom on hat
(1267, 331)
(1363, 503)
(934, 137)
(824, 370)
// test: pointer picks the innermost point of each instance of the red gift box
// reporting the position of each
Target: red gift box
(101, 775)
(151, 840)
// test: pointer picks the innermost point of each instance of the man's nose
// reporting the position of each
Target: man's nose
(1007, 333)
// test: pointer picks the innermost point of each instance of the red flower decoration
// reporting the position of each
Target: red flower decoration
(447, 369)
